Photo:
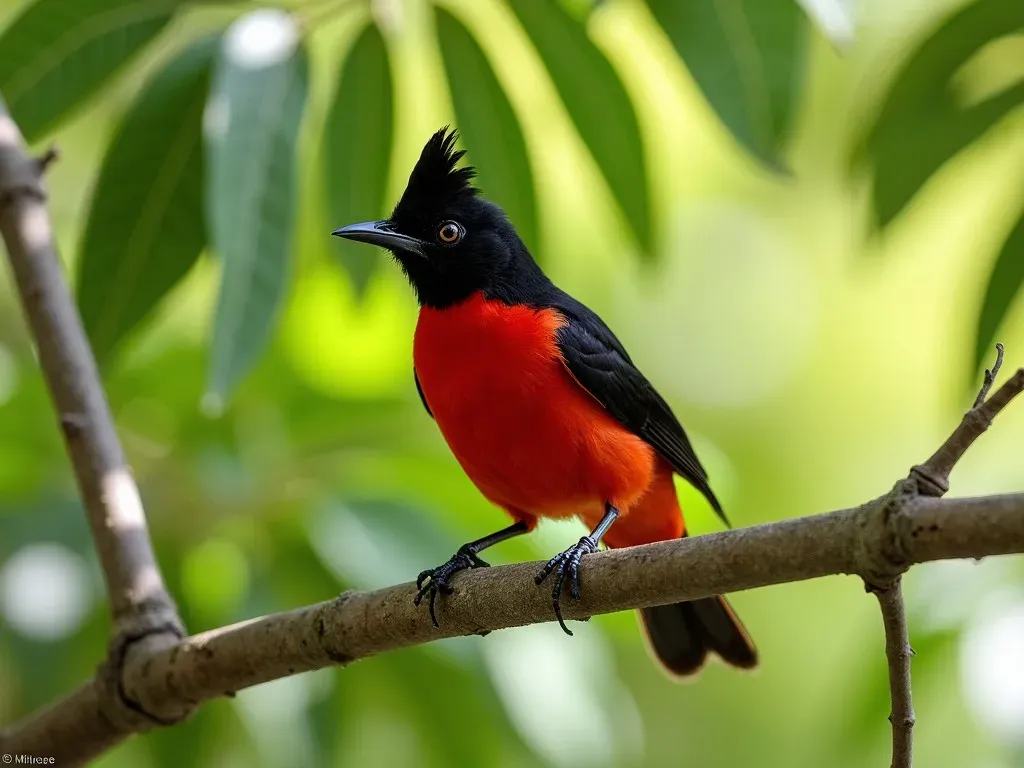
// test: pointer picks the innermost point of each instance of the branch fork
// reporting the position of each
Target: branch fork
(930, 480)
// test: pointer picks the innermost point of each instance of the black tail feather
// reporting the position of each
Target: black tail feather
(683, 634)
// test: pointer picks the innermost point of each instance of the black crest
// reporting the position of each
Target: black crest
(435, 183)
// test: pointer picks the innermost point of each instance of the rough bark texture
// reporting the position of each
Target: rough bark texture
(168, 682)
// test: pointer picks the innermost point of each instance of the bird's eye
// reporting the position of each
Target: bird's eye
(450, 233)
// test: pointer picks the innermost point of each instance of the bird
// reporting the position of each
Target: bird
(540, 403)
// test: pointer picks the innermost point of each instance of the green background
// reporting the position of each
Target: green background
(812, 356)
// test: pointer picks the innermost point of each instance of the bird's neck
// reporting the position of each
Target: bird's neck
(518, 281)
(521, 281)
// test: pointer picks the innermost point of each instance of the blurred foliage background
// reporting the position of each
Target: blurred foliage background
(804, 225)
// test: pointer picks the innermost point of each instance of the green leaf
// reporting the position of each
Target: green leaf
(252, 132)
(834, 18)
(59, 52)
(489, 127)
(598, 104)
(1004, 285)
(357, 149)
(921, 125)
(747, 56)
(370, 543)
(869, 695)
(145, 227)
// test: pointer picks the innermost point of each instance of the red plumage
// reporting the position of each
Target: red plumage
(530, 438)
(540, 402)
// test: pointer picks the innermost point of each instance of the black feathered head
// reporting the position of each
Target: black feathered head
(435, 183)
(447, 238)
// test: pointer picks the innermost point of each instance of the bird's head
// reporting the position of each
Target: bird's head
(449, 240)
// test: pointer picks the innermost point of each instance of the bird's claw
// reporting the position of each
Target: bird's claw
(566, 563)
(434, 580)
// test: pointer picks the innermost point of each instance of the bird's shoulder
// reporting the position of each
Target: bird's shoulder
(528, 285)
(599, 362)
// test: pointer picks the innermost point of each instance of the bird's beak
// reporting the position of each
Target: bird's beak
(381, 233)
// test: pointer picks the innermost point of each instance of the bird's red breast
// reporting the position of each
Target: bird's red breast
(528, 436)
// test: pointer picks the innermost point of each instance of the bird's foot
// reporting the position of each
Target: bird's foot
(434, 580)
(567, 564)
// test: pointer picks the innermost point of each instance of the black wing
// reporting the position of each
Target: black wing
(602, 366)
(419, 389)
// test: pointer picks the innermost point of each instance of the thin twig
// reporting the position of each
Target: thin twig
(933, 475)
(50, 156)
(898, 653)
(990, 377)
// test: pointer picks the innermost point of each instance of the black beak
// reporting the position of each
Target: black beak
(381, 233)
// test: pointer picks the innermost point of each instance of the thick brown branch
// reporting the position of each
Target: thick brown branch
(898, 653)
(360, 624)
(72, 730)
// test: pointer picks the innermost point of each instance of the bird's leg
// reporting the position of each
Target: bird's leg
(568, 563)
(434, 580)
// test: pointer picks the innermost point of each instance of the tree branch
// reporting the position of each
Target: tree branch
(356, 625)
(930, 479)
(933, 475)
(139, 603)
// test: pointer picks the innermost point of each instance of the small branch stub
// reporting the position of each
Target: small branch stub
(990, 377)
(44, 161)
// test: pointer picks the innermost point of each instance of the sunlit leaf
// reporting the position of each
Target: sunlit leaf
(215, 579)
(835, 18)
(199, 740)
(59, 52)
(252, 127)
(921, 125)
(357, 149)
(598, 104)
(489, 127)
(861, 725)
(370, 544)
(747, 56)
(1004, 284)
(589, 720)
(419, 674)
(145, 227)
(29, 456)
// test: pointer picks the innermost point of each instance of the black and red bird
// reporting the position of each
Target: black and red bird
(540, 402)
